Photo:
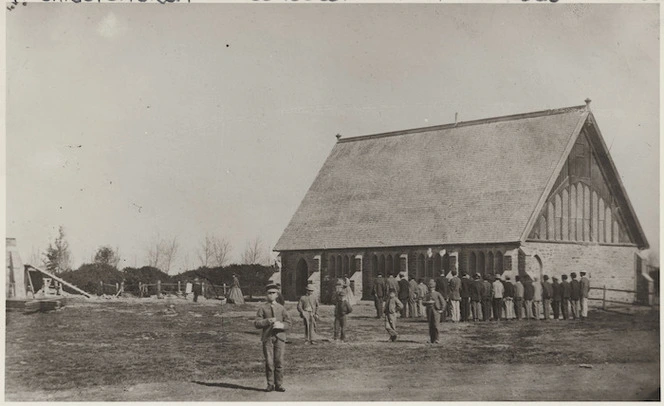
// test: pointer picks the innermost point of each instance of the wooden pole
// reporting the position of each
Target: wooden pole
(604, 298)
(101, 287)
(158, 289)
(179, 290)
(117, 288)
(140, 289)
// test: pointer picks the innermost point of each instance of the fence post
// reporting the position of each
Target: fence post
(158, 289)
(203, 289)
(225, 290)
(117, 288)
(101, 288)
(604, 298)
(179, 290)
(140, 289)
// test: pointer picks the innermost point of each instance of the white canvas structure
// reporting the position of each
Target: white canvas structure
(15, 283)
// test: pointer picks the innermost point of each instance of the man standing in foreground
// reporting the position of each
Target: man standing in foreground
(435, 306)
(379, 290)
(274, 320)
(307, 306)
(392, 307)
(455, 296)
(585, 291)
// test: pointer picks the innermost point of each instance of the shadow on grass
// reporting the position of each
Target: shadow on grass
(228, 385)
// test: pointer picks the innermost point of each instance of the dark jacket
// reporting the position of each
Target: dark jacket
(443, 287)
(437, 298)
(509, 289)
(476, 291)
(557, 291)
(404, 290)
(566, 289)
(466, 283)
(528, 291)
(342, 308)
(547, 290)
(379, 288)
(575, 290)
(487, 292)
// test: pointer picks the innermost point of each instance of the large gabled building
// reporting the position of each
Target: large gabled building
(528, 194)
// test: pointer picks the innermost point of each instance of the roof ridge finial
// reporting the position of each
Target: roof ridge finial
(588, 103)
(456, 119)
(338, 136)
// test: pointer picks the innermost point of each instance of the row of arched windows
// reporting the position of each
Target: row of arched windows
(485, 264)
(578, 213)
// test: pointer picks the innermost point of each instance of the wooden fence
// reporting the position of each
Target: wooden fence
(604, 289)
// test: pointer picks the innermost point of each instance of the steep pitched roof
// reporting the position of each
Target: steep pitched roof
(474, 182)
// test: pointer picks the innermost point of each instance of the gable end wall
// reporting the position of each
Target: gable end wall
(612, 266)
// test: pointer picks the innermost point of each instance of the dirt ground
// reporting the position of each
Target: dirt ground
(134, 350)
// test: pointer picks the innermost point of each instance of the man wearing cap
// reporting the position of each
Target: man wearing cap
(422, 290)
(566, 291)
(556, 298)
(307, 306)
(274, 320)
(509, 298)
(443, 287)
(404, 296)
(341, 308)
(487, 294)
(498, 293)
(518, 297)
(413, 309)
(455, 296)
(585, 291)
(392, 283)
(435, 306)
(575, 295)
(528, 295)
(392, 307)
(378, 291)
(466, 283)
(537, 297)
(547, 295)
(476, 297)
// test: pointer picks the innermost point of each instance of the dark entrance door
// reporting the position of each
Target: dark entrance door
(301, 277)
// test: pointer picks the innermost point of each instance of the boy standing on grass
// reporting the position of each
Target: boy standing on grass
(341, 308)
(435, 306)
(307, 306)
(392, 307)
(274, 320)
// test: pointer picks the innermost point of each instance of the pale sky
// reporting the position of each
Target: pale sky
(215, 118)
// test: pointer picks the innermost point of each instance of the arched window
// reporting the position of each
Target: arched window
(333, 266)
(445, 265)
(438, 265)
(481, 264)
(572, 213)
(565, 219)
(340, 266)
(381, 265)
(346, 271)
(419, 273)
(389, 265)
(490, 268)
(499, 263)
(472, 266)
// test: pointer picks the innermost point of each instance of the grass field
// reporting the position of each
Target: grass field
(134, 350)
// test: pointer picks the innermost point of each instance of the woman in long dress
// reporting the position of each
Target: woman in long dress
(349, 292)
(235, 295)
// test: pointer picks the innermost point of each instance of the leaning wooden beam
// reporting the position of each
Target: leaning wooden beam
(82, 292)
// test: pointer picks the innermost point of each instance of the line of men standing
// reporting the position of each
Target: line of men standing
(490, 298)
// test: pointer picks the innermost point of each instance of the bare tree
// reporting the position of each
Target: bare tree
(253, 252)
(206, 250)
(221, 250)
(161, 253)
(170, 253)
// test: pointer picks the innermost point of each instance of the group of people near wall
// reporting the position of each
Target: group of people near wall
(462, 299)
(445, 298)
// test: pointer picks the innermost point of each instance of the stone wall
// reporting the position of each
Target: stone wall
(610, 265)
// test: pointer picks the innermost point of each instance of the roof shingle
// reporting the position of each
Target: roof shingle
(477, 182)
